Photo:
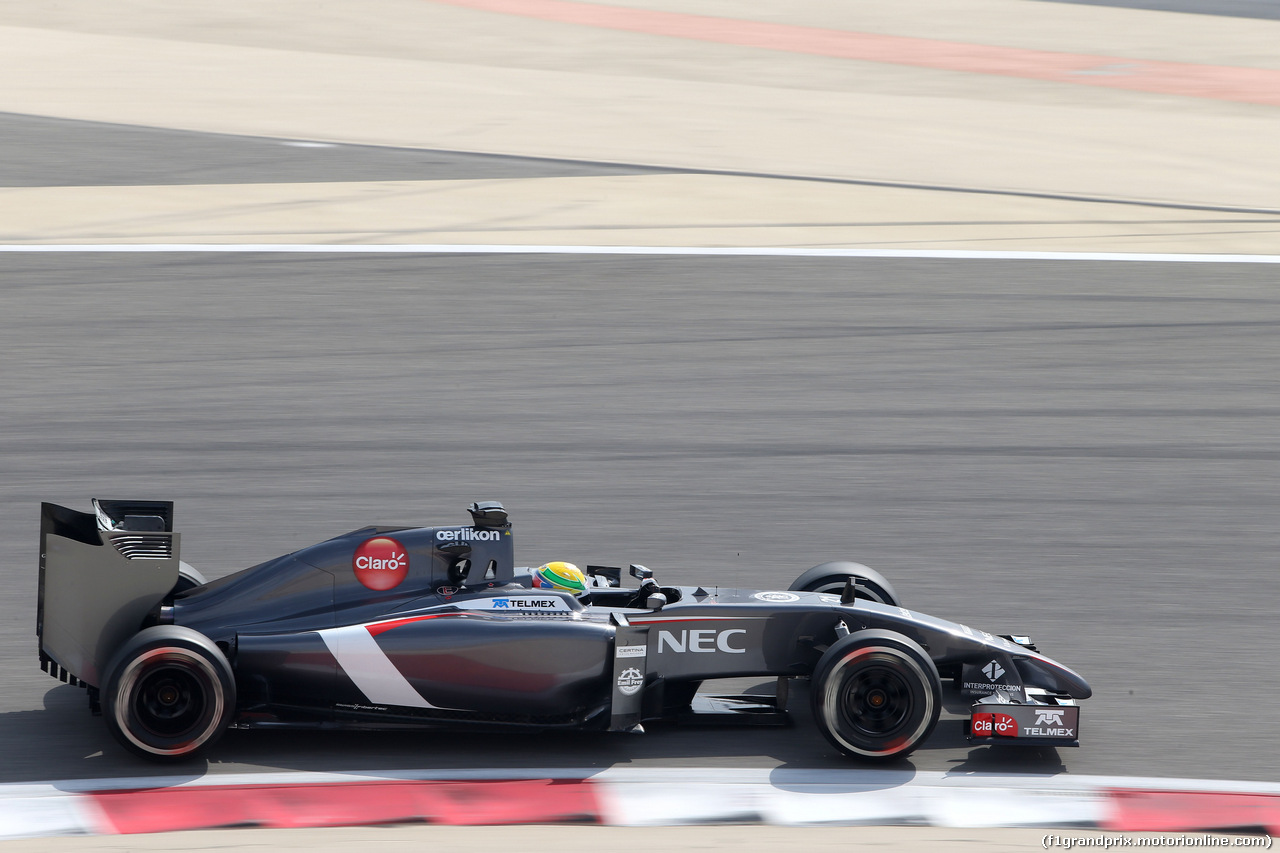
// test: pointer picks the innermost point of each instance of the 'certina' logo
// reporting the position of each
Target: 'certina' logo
(1049, 718)
(700, 641)
(468, 534)
(380, 563)
(993, 671)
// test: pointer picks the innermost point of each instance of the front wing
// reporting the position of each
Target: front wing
(993, 721)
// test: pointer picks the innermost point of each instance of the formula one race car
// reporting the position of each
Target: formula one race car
(389, 627)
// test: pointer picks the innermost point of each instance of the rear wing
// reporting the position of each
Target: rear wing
(101, 574)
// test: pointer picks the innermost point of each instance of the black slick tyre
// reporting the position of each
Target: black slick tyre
(876, 695)
(188, 579)
(830, 578)
(169, 693)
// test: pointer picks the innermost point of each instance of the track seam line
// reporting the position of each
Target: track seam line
(692, 251)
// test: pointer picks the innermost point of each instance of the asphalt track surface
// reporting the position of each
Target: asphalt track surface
(50, 152)
(1086, 452)
(1267, 9)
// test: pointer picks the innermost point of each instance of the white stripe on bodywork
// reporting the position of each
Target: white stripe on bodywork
(366, 664)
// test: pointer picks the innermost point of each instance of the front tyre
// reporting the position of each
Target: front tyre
(876, 695)
(169, 694)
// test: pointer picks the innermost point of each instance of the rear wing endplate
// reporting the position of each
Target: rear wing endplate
(101, 573)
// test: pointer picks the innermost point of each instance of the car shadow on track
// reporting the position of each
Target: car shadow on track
(63, 741)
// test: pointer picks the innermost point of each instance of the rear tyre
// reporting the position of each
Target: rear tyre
(169, 694)
(876, 695)
(188, 578)
(830, 578)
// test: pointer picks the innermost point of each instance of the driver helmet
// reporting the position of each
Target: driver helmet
(563, 576)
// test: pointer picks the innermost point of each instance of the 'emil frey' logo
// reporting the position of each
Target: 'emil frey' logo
(630, 681)
(381, 563)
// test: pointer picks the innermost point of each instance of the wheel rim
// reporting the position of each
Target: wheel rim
(875, 701)
(169, 702)
(869, 697)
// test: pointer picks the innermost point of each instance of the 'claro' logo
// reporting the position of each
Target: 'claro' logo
(380, 563)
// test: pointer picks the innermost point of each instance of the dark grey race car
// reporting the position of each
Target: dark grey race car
(389, 627)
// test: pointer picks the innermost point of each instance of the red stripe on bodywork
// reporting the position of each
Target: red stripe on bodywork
(379, 627)
(349, 804)
(672, 621)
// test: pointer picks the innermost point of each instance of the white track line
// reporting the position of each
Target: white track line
(498, 249)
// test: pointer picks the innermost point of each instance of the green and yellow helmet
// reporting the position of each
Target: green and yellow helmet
(561, 575)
